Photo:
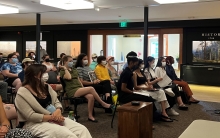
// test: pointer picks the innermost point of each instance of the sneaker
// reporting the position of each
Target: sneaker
(169, 92)
(171, 111)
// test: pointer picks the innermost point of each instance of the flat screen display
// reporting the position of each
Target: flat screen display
(206, 51)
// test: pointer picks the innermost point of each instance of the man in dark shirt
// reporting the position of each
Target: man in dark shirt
(125, 83)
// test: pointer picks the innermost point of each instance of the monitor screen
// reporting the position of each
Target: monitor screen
(206, 51)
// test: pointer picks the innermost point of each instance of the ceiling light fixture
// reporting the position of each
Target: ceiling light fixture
(5, 9)
(97, 9)
(68, 4)
(174, 1)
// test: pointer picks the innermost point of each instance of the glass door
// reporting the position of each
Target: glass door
(153, 46)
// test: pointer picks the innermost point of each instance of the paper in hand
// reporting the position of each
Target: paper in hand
(165, 82)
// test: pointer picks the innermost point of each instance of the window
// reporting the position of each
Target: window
(7, 47)
(31, 46)
(72, 48)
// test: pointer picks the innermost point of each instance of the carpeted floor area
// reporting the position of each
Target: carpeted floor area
(102, 129)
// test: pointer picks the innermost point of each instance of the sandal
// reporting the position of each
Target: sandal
(166, 119)
(183, 107)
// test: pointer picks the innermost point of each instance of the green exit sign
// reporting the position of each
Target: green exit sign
(123, 24)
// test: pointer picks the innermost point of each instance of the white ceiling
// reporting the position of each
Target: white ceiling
(111, 11)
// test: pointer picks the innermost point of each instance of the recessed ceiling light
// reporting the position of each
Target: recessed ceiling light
(5, 9)
(174, 1)
(68, 4)
(97, 9)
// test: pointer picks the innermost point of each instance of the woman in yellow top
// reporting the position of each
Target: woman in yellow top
(101, 71)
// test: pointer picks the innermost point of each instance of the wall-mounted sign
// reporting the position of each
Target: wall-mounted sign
(211, 36)
(123, 24)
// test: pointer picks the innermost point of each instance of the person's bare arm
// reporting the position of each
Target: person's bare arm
(8, 74)
(54, 68)
(67, 74)
(3, 118)
(125, 89)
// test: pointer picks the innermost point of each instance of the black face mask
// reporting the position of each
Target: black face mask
(47, 60)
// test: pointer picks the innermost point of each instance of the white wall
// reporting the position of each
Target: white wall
(173, 47)
(96, 44)
(124, 45)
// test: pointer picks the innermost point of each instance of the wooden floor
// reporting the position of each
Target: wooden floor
(206, 93)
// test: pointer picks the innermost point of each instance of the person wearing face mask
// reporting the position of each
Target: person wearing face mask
(112, 71)
(101, 71)
(140, 83)
(61, 56)
(48, 64)
(171, 73)
(31, 55)
(101, 87)
(94, 61)
(75, 88)
(25, 63)
(18, 56)
(125, 85)
(160, 73)
(10, 71)
(39, 108)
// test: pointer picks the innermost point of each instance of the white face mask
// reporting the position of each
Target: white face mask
(95, 59)
(85, 62)
(45, 77)
(33, 56)
(142, 66)
(104, 63)
(112, 62)
(152, 65)
(163, 64)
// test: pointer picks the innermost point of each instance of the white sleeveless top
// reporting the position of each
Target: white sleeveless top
(49, 67)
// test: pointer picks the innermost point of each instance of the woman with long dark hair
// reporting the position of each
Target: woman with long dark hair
(101, 87)
(75, 88)
(39, 108)
(171, 73)
(152, 79)
(140, 83)
(161, 72)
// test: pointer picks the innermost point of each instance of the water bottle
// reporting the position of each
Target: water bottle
(71, 115)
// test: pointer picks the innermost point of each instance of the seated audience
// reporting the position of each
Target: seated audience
(3, 91)
(160, 73)
(102, 72)
(153, 80)
(101, 87)
(5, 131)
(112, 71)
(94, 61)
(42, 53)
(18, 56)
(25, 63)
(75, 88)
(140, 83)
(171, 73)
(32, 55)
(39, 108)
(61, 56)
(126, 86)
(10, 70)
(2, 61)
(48, 64)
